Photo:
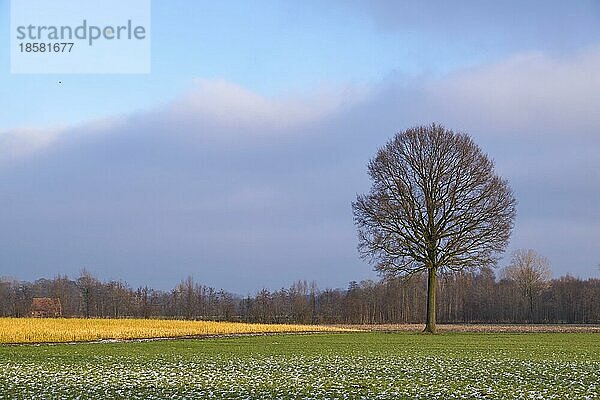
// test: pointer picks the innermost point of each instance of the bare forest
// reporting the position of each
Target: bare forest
(465, 297)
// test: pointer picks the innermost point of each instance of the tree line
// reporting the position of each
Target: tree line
(465, 297)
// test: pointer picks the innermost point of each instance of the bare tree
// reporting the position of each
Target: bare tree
(531, 273)
(89, 287)
(435, 205)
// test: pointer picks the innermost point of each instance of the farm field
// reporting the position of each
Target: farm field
(52, 330)
(480, 328)
(357, 365)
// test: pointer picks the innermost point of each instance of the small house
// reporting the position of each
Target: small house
(46, 307)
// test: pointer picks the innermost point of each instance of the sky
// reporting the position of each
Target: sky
(237, 158)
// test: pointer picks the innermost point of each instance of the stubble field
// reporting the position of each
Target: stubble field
(53, 330)
(357, 365)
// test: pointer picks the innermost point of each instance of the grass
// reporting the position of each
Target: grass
(54, 330)
(356, 365)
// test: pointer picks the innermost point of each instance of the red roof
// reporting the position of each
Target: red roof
(44, 303)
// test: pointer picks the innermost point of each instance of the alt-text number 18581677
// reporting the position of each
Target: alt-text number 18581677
(34, 47)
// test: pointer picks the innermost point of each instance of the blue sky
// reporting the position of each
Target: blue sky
(236, 159)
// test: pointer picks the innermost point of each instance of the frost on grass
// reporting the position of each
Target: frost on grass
(351, 374)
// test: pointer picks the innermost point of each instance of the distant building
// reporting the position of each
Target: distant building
(45, 307)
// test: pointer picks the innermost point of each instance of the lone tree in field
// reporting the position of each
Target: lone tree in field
(435, 205)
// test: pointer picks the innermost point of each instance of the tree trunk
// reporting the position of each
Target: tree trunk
(431, 283)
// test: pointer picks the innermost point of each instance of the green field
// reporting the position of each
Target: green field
(319, 366)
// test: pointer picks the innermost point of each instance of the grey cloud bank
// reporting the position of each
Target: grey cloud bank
(242, 191)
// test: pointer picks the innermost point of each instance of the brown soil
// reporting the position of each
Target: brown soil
(487, 328)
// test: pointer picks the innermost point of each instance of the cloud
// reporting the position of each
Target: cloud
(23, 143)
(244, 191)
(529, 93)
(19, 143)
(223, 103)
(215, 109)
